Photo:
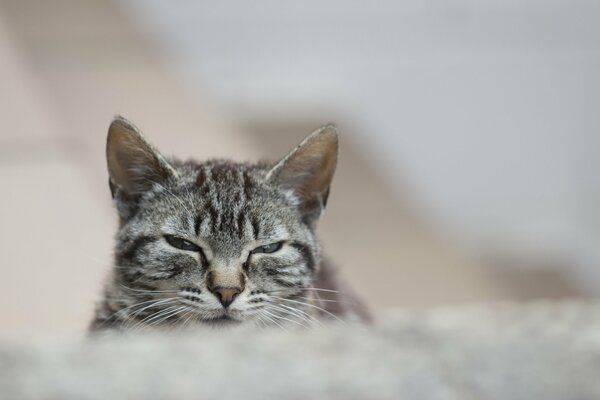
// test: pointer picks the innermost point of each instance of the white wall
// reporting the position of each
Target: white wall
(488, 109)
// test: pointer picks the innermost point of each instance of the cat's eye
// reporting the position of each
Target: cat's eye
(267, 248)
(182, 244)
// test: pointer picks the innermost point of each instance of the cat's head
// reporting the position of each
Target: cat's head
(217, 240)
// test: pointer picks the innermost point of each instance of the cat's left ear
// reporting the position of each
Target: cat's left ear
(134, 165)
(307, 171)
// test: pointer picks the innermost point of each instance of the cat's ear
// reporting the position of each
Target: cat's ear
(307, 171)
(134, 165)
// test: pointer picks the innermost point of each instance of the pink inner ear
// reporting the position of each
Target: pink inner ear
(133, 163)
(309, 169)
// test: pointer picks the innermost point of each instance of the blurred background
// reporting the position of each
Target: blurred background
(470, 132)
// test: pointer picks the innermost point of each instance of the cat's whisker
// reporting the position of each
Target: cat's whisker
(268, 322)
(161, 302)
(312, 306)
(140, 303)
(315, 296)
(269, 317)
(270, 307)
(292, 313)
(123, 310)
(321, 300)
(296, 289)
(152, 317)
(260, 320)
(276, 313)
(301, 314)
(318, 297)
(321, 290)
(171, 314)
(286, 308)
(191, 314)
(148, 291)
(140, 325)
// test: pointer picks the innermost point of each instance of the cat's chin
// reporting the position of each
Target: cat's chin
(222, 320)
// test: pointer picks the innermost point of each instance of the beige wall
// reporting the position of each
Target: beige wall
(66, 68)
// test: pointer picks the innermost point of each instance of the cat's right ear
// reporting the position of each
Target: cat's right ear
(306, 172)
(134, 165)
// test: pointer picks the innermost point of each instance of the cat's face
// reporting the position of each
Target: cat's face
(215, 242)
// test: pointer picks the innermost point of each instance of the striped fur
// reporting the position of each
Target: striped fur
(227, 209)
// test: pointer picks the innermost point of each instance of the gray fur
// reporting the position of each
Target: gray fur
(537, 351)
(227, 209)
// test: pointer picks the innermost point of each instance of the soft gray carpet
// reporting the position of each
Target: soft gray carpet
(535, 351)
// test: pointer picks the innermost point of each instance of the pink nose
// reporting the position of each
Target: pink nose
(226, 295)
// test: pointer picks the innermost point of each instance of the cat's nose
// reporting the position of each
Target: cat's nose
(226, 295)
(225, 285)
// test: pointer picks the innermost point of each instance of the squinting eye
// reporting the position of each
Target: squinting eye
(268, 248)
(181, 244)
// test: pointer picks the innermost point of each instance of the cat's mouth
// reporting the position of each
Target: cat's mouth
(223, 319)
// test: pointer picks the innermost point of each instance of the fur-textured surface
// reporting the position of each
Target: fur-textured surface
(548, 351)
(219, 242)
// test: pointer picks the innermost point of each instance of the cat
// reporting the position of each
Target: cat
(220, 242)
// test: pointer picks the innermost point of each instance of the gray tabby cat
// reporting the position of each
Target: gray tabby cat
(219, 242)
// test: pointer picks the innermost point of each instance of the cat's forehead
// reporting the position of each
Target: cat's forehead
(226, 199)
(222, 174)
